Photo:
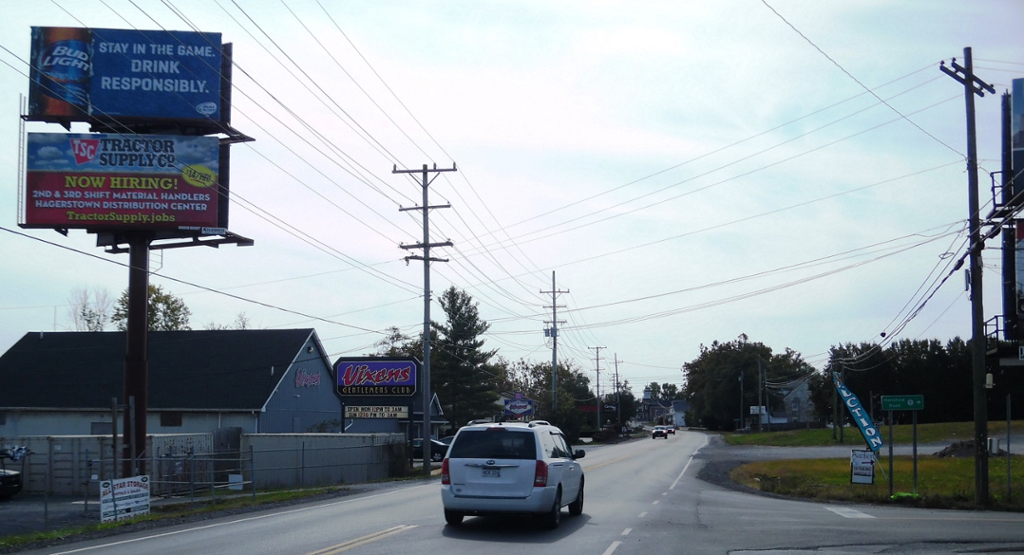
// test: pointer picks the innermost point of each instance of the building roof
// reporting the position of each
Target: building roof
(188, 370)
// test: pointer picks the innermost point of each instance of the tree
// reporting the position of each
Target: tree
(242, 322)
(166, 312)
(396, 344)
(461, 375)
(534, 380)
(713, 379)
(655, 389)
(89, 311)
(669, 391)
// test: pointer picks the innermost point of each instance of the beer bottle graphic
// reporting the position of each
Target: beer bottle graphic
(60, 73)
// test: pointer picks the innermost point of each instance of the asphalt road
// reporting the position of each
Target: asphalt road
(646, 487)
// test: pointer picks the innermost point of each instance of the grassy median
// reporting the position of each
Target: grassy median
(943, 482)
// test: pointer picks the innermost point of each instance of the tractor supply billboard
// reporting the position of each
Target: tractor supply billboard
(97, 181)
(122, 76)
(376, 377)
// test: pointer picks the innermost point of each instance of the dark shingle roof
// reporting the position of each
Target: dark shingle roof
(210, 369)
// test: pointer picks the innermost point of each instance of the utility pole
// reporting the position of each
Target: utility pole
(974, 86)
(425, 245)
(760, 406)
(618, 403)
(554, 341)
(740, 424)
(597, 384)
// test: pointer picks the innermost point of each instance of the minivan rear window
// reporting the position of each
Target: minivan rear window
(481, 444)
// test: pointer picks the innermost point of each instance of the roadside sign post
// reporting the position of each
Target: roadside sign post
(913, 403)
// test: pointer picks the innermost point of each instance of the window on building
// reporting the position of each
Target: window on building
(101, 428)
(170, 419)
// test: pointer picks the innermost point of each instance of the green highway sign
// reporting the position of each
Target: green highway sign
(902, 402)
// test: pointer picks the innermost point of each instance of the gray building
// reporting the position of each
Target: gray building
(262, 381)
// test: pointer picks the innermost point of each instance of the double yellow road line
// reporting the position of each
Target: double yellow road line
(369, 538)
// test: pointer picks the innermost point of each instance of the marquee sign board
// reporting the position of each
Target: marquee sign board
(376, 411)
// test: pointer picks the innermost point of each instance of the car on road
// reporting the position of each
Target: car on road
(670, 429)
(659, 431)
(511, 468)
(10, 479)
(437, 449)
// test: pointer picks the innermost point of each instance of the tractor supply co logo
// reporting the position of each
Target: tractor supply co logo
(85, 150)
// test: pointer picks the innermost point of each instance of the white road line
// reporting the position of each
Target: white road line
(611, 548)
(680, 477)
(655, 502)
(236, 521)
(626, 532)
(848, 513)
(641, 515)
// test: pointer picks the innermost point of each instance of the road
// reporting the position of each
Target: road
(642, 498)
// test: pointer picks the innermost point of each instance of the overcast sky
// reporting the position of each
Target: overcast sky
(690, 171)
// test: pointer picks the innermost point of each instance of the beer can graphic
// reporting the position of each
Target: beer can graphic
(61, 71)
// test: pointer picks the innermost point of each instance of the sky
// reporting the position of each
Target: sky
(682, 172)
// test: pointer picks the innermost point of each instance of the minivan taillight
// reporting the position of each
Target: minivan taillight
(446, 479)
(540, 478)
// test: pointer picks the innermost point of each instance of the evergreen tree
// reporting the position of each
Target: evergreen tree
(461, 375)
(166, 312)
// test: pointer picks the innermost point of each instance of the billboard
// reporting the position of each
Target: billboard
(101, 181)
(121, 76)
(376, 377)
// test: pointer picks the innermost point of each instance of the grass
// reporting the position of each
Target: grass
(902, 434)
(942, 482)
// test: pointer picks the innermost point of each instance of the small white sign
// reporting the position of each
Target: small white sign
(862, 467)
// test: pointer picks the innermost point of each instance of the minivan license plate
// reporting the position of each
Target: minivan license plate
(492, 473)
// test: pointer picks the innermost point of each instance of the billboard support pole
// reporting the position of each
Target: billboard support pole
(136, 362)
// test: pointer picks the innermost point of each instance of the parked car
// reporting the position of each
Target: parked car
(510, 468)
(659, 431)
(437, 449)
(10, 479)
(447, 440)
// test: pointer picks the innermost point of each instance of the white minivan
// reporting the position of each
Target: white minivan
(511, 468)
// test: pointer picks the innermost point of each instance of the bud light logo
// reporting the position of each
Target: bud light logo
(85, 150)
(67, 65)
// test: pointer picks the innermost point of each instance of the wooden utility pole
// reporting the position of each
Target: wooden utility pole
(425, 245)
(974, 86)
(554, 342)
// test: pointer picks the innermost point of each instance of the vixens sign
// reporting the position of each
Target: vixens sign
(860, 416)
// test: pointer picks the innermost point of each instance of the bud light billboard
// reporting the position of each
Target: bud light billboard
(376, 377)
(123, 76)
(105, 181)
